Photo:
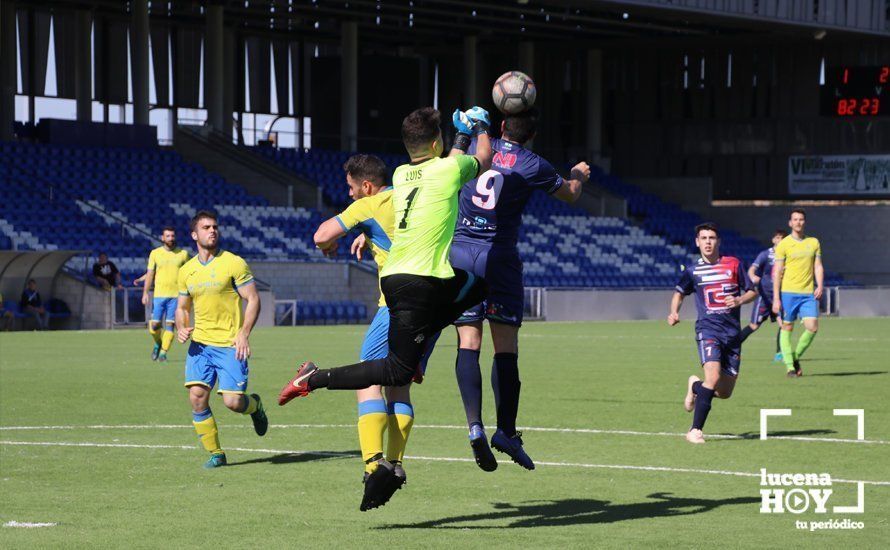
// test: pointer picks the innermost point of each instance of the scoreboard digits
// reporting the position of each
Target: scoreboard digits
(856, 91)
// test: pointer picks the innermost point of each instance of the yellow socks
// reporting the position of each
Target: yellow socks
(166, 340)
(250, 405)
(155, 331)
(371, 425)
(205, 425)
(401, 419)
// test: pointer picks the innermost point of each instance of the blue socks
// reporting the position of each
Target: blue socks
(702, 405)
(469, 381)
(505, 383)
(201, 416)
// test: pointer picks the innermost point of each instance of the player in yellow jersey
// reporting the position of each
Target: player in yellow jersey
(798, 264)
(372, 214)
(162, 271)
(216, 281)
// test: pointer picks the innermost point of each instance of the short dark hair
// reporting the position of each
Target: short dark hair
(420, 128)
(32, 281)
(781, 232)
(200, 215)
(168, 228)
(366, 167)
(521, 127)
(100, 254)
(707, 226)
(800, 211)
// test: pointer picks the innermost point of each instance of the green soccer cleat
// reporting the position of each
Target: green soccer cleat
(215, 461)
(155, 352)
(260, 420)
(162, 357)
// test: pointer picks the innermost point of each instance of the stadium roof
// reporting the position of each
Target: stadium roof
(441, 22)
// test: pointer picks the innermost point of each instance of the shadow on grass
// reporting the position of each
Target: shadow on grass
(860, 373)
(294, 458)
(576, 511)
(789, 433)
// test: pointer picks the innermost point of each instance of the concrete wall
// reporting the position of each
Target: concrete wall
(864, 302)
(314, 281)
(854, 239)
(90, 306)
(628, 305)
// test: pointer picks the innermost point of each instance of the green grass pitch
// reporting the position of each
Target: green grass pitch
(109, 455)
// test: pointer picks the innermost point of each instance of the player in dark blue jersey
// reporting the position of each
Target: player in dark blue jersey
(484, 244)
(721, 286)
(761, 274)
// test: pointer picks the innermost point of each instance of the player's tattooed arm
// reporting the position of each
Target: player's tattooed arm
(249, 294)
(676, 303)
(183, 323)
(327, 235)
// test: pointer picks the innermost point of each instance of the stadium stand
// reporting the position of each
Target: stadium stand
(116, 200)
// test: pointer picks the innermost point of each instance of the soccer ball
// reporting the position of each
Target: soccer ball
(514, 92)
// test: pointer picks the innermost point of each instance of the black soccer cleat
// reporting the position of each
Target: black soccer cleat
(398, 479)
(797, 370)
(259, 418)
(481, 451)
(377, 486)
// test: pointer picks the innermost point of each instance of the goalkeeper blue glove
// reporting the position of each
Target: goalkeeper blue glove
(480, 119)
(462, 123)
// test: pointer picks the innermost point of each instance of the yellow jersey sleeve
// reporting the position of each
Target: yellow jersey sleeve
(355, 214)
(781, 251)
(152, 261)
(241, 274)
(181, 283)
(818, 248)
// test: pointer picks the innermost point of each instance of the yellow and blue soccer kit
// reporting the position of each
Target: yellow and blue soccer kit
(213, 288)
(374, 217)
(798, 257)
(165, 264)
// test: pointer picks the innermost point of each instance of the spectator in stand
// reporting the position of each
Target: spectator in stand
(32, 304)
(7, 317)
(106, 273)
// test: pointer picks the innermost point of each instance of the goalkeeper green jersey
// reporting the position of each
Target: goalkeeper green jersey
(425, 206)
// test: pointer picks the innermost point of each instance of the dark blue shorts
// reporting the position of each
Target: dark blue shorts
(763, 310)
(502, 270)
(720, 349)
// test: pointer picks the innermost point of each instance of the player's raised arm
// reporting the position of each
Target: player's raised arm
(570, 191)
(327, 234)
(474, 122)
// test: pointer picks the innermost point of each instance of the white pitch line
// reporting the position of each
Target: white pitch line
(442, 427)
(428, 458)
(28, 524)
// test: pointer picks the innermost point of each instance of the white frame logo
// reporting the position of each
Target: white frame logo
(797, 492)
